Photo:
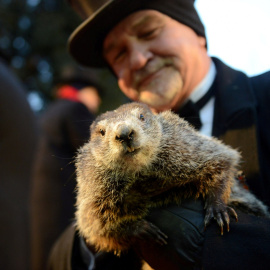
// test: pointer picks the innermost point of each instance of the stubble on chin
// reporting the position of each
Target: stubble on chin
(164, 91)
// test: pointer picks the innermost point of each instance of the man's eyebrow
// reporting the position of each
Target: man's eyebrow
(144, 20)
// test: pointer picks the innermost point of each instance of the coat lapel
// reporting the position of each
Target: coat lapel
(235, 118)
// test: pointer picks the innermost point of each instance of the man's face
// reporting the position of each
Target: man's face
(157, 60)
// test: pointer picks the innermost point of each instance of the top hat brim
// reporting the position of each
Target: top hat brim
(86, 42)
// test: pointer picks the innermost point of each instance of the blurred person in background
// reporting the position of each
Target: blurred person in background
(64, 127)
(18, 138)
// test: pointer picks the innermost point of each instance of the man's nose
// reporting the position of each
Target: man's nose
(139, 55)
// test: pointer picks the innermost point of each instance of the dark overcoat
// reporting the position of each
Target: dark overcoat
(18, 137)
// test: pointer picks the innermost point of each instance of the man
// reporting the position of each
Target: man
(158, 51)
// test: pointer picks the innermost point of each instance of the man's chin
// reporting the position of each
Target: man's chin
(157, 103)
(162, 90)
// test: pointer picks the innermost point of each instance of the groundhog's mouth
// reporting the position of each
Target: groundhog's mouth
(131, 151)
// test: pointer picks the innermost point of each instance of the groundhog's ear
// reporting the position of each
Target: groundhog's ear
(166, 114)
(169, 116)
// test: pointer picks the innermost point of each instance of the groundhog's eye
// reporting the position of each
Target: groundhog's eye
(141, 117)
(102, 132)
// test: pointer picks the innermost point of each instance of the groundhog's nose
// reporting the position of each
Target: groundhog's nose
(124, 134)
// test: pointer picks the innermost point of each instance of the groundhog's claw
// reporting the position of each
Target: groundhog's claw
(152, 232)
(233, 213)
(221, 214)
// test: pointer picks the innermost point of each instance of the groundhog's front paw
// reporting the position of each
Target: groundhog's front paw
(148, 231)
(220, 212)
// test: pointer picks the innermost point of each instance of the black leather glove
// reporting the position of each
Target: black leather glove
(184, 226)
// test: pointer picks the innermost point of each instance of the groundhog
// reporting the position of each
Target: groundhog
(133, 158)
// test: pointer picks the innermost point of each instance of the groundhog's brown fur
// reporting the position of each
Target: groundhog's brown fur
(132, 158)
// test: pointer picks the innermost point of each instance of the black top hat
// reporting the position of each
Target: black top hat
(86, 42)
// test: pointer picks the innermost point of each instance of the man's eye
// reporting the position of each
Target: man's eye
(148, 34)
(119, 55)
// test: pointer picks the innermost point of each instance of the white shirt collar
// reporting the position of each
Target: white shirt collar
(202, 88)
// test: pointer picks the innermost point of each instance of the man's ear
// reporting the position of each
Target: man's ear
(202, 41)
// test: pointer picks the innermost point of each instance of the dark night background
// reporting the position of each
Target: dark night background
(33, 38)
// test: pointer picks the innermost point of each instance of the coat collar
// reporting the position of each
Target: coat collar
(234, 100)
